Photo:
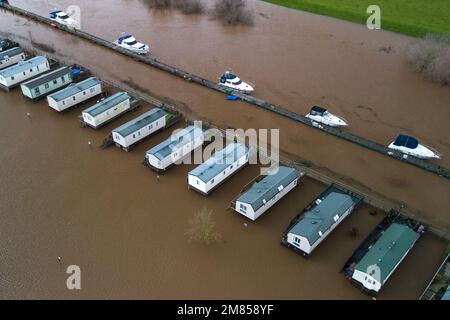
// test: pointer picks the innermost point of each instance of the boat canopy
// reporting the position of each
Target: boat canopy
(125, 36)
(318, 111)
(406, 141)
(54, 14)
(229, 75)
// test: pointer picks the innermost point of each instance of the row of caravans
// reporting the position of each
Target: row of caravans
(369, 267)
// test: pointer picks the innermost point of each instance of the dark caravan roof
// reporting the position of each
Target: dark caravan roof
(406, 141)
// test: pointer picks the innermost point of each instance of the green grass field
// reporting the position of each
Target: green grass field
(411, 17)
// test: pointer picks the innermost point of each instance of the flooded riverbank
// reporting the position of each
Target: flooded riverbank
(105, 211)
(388, 177)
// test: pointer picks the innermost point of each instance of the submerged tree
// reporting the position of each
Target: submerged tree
(431, 56)
(189, 6)
(202, 227)
(186, 6)
(233, 12)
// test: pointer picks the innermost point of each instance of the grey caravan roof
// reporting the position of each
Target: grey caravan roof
(10, 52)
(219, 161)
(107, 104)
(140, 122)
(74, 88)
(22, 66)
(165, 148)
(267, 188)
(47, 77)
(320, 218)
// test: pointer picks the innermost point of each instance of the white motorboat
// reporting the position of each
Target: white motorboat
(324, 116)
(127, 41)
(410, 146)
(231, 80)
(62, 18)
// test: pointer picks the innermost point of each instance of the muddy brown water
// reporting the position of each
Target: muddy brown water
(104, 211)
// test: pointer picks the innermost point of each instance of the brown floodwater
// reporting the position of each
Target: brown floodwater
(104, 211)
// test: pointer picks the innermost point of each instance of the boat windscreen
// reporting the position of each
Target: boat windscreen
(230, 76)
(64, 17)
(406, 141)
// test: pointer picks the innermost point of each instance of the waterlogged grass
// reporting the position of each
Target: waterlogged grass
(411, 17)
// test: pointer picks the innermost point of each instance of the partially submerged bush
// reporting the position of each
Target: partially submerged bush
(159, 4)
(186, 6)
(189, 6)
(202, 227)
(233, 12)
(431, 56)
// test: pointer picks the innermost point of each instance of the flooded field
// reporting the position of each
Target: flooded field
(106, 212)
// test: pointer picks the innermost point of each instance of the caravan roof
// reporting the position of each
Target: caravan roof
(107, 104)
(321, 217)
(268, 187)
(23, 66)
(140, 122)
(219, 161)
(47, 77)
(75, 88)
(389, 250)
(177, 140)
(10, 52)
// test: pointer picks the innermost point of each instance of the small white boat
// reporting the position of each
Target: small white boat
(231, 80)
(62, 18)
(127, 41)
(324, 116)
(410, 146)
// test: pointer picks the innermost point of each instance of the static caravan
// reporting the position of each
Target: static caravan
(23, 71)
(106, 110)
(11, 57)
(6, 44)
(137, 129)
(214, 171)
(265, 191)
(319, 219)
(47, 83)
(175, 148)
(439, 286)
(74, 94)
(383, 257)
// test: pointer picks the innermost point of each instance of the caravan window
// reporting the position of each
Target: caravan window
(63, 79)
(297, 240)
(12, 78)
(73, 98)
(47, 86)
(92, 90)
(243, 208)
(55, 81)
